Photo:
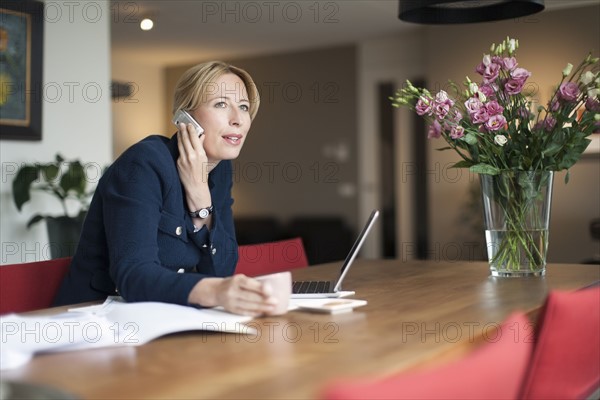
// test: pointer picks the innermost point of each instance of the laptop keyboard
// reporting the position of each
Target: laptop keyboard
(311, 287)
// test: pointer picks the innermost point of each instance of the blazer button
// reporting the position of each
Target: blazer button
(214, 251)
(178, 231)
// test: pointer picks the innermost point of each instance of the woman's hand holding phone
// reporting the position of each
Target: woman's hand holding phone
(193, 168)
(184, 117)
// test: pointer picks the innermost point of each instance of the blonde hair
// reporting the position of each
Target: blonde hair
(197, 82)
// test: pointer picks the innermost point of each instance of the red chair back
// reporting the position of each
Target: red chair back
(31, 286)
(495, 370)
(271, 257)
(566, 357)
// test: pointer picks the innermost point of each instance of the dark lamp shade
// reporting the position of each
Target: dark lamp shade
(465, 11)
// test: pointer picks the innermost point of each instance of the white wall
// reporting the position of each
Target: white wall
(76, 117)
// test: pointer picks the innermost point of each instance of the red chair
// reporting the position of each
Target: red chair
(31, 286)
(495, 370)
(566, 358)
(271, 257)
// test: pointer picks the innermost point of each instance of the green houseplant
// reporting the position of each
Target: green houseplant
(68, 183)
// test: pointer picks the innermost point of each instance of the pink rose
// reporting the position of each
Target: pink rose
(493, 108)
(480, 69)
(496, 122)
(491, 73)
(480, 116)
(520, 74)
(498, 60)
(441, 110)
(554, 105)
(513, 86)
(568, 91)
(457, 117)
(473, 104)
(549, 123)
(435, 130)
(457, 132)
(592, 105)
(423, 106)
(489, 90)
(509, 63)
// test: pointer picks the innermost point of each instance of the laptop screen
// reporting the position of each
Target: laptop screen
(356, 248)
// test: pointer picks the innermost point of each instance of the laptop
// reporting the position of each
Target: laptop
(320, 289)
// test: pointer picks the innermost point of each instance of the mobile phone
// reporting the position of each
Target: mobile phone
(183, 116)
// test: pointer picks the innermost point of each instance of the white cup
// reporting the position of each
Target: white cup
(281, 286)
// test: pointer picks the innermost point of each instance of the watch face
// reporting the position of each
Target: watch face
(203, 213)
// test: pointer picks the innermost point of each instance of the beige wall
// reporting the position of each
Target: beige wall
(141, 114)
(300, 158)
(308, 132)
(548, 41)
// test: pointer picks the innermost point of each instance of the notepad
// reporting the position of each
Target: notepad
(331, 306)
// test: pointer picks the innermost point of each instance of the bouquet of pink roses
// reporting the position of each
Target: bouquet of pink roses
(495, 130)
(492, 126)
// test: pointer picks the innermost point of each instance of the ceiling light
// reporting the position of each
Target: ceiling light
(465, 11)
(146, 24)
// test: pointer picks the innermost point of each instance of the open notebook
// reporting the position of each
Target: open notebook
(113, 323)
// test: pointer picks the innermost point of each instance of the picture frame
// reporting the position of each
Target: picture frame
(21, 56)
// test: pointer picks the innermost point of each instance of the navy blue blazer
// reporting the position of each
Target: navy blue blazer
(138, 240)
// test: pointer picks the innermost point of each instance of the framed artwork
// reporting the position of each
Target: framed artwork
(21, 54)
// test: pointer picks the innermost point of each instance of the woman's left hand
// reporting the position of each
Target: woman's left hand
(192, 162)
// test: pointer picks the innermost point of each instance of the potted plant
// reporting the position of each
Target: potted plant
(66, 181)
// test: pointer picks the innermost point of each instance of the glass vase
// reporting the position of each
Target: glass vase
(516, 207)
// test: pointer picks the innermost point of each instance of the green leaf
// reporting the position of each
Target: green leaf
(444, 148)
(484, 169)
(22, 184)
(74, 179)
(526, 181)
(49, 172)
(463, 164)
(552, 149)
(567, 176)
(34, 220)
(470, 138)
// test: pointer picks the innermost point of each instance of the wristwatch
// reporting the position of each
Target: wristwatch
(201, 213)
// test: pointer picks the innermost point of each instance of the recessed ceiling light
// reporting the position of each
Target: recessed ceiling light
(146, 24)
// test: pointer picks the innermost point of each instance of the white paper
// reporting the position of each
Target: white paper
(113, 323)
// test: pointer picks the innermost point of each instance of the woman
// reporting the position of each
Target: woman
(160, 225)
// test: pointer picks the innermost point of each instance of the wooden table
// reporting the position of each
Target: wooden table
(418, 313)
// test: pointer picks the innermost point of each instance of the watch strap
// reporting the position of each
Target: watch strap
(202, 213)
